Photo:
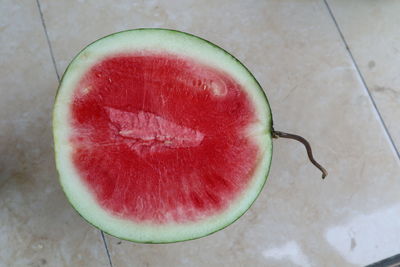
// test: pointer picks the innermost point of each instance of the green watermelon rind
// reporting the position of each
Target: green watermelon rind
(269, 152)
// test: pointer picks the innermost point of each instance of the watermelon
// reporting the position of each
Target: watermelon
(160, 136)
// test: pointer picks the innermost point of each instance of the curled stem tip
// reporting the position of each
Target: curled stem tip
(276, 134)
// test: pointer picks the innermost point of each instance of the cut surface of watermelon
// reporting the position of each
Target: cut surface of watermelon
(160, 136)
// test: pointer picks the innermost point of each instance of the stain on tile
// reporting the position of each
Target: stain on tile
(387, 90)
(371, 64)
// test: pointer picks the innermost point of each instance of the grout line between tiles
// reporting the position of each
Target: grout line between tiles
(363, 80)
(58, 78)
(393, 261)
(106, 246)
(48, 39)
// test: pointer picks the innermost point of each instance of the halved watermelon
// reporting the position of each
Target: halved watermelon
(160, 136)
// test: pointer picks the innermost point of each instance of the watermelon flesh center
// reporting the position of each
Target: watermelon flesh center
(149, 132)
(162, 138)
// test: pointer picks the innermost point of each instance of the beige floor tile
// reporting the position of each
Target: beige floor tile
(371, 29)
(37, 225)
(294, 50)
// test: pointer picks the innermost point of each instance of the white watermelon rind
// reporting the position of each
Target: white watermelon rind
(180, 43)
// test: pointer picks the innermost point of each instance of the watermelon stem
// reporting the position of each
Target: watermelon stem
(276, 134)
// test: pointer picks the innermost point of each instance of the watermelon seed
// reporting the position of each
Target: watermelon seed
(218, 88)
(277, 134)
(86, 90)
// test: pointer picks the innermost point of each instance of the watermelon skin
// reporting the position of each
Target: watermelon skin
(157, 228)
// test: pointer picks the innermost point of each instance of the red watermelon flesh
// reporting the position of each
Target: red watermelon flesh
(161, 138)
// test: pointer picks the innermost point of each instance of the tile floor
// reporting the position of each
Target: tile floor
(331, 72)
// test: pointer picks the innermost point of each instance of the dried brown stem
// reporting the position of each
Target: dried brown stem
(276, 134)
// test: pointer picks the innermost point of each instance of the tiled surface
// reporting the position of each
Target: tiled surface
(371, 29)
(37, 225)
(295, 51)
